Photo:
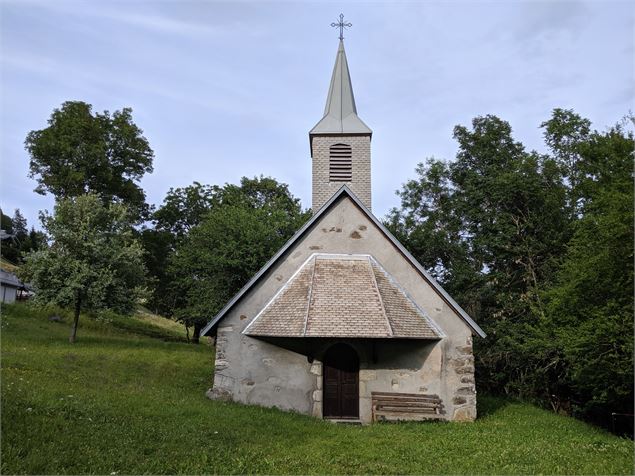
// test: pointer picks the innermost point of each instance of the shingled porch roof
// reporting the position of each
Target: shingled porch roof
(342, 296)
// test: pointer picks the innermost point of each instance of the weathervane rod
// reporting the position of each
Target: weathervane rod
(341, 25)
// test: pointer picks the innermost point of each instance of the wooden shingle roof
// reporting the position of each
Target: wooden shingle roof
(342, 296)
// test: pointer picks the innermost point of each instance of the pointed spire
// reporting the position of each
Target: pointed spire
(340, 113)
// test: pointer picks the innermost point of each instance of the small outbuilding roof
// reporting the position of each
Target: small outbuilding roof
(10, 279)
(343, 296)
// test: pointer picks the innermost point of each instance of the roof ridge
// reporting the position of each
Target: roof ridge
(409, 298)
(308, 304)
(381, 300)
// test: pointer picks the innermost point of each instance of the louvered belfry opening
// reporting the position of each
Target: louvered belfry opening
(340, 163)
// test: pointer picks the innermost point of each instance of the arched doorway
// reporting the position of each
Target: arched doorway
(340, 382)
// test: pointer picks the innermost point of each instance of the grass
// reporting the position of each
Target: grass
(129, 400)
(145, 315)
(7, 265)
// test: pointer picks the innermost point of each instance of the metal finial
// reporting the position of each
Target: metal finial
(341, 25)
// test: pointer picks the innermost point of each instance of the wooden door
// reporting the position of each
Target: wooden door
(341, 383)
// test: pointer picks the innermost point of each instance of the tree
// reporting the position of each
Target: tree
(5, 222)
(491, 226)
(565, 133)
(8, 249)
(35, 241)
(590, 307)
(244, 227)
(18, 243)
(182, 209)
(19, 224)
(81, 152)
(93, 262)
(539, 249)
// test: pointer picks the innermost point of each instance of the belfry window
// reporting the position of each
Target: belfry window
(340, 163)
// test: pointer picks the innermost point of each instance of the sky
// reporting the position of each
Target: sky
(230, 89)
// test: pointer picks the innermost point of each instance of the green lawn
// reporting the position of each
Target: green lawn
(122, 400)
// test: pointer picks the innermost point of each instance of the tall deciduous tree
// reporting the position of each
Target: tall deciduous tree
(81, 152)
(591, 305)
(539, 249)
(183, 208)
(93, 262)
(565, 134)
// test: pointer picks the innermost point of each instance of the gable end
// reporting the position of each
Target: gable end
(345, 191)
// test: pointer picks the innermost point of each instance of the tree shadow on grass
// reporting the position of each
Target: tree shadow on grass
(488, 405)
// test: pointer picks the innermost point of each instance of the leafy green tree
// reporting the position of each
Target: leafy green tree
(539, 249)
(81, 152)
(35, 240)
(591, 305)
(182, 209)
(244, 227)
(93, 262)
(565, 134)
(429, 226)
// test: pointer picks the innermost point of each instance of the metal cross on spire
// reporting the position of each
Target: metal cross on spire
(341, 25)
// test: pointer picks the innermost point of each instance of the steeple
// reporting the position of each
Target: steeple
(340, 113)
(340, 142)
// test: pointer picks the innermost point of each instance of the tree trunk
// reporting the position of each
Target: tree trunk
(78, 306)
(197, 333)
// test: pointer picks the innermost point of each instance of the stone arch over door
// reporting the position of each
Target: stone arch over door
(340, 384)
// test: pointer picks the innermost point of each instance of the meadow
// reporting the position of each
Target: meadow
(129, 398)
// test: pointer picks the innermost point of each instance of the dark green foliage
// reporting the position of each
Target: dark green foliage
(6, 223)
(22, 241)
(539, 249)
(10, 247)
(591, 305)
(182, 209)
(81, 152)
(120, 402)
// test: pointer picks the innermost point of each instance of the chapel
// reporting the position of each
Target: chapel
(343, 323)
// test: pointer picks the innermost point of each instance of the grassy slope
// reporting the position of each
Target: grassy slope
(122, 403)
(7, 265)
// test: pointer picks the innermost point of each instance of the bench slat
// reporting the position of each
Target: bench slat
(407, 405)
(404, 399)
(430, 411)
(397, 394)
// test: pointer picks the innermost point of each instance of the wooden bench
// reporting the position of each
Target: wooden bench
(388, 406)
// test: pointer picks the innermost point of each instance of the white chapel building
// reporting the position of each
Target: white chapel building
(343, 323)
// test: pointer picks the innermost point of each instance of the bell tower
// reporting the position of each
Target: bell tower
(340, 142)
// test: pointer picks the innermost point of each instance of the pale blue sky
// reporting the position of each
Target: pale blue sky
(224, 90)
